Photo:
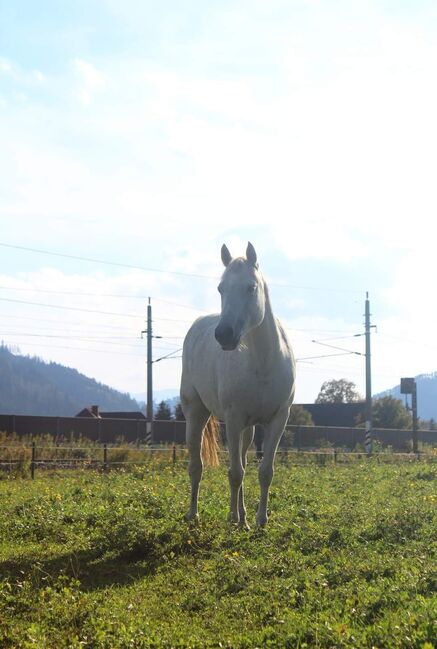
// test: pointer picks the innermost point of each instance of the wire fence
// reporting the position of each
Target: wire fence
(27, 459)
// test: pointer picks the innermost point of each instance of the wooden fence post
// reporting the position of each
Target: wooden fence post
(105, 458)
(32, 464)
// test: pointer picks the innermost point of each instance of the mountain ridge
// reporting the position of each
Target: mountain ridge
(426, 395)
(31, 386)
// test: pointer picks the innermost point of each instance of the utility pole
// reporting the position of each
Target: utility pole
(368, 436)
(149, 364)
(149, 371)
(149, 407)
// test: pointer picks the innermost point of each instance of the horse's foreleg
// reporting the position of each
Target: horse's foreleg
(196, 419)
(273, 433)
(246, 442)
(236, 470)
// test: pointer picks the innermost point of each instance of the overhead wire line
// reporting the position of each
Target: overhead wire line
(133, 345)
(61, 326)
(72, 308)
(104, 261)
(83, 310)
(307, 358)
(80, 324)
(165, 271)
(342, 349)
(110, 295)
(168, 356)
(85, 349)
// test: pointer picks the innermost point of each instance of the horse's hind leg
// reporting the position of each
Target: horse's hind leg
(247, 441)
(196, 416)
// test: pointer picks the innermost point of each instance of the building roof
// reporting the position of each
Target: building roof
(87, 412)
(335, 414)
(123, 415)
(93, 411)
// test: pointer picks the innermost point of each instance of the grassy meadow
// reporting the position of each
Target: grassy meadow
(348, 559)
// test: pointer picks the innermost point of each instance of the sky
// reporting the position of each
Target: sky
(136, 137)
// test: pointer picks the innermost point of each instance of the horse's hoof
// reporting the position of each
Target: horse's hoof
(244, 525)
(234, 520)
(192, 518)
(261, 521)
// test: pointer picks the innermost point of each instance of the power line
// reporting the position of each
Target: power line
(291, 329)
(182, 306)
(138, 345)
(308, 358)
(72, 308)
(111, 295)
(348, 351)
(105, 262)
(84, 349)
(62, 307)
(60, 326)
(75, 308)
(169, 272)
(82, 338)
(168, 356)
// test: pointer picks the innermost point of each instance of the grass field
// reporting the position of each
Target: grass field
(348, 560)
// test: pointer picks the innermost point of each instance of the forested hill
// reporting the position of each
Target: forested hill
(29, 386)
(426, 395)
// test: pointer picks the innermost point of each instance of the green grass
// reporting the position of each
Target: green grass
(348, 560)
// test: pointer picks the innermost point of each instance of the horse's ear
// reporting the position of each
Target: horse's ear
(251, 255)
(226, 255)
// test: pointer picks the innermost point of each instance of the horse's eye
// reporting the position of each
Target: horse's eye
(252, 288)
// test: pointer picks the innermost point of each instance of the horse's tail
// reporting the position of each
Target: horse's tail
(210, 446)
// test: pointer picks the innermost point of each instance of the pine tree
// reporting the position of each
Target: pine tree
(179, 413)
(163, 412)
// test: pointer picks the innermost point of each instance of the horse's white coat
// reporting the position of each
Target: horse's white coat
(246, 379)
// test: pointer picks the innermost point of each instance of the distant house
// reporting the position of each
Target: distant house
(123, 415)
(342, 415)
(90, 411)
(94, 411)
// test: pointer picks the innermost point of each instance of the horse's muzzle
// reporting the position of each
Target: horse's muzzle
(225, 336)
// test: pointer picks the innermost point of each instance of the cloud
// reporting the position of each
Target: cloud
(91, 80)
(316, 134)
(5, 66)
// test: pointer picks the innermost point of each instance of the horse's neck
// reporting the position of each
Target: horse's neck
(264, 340)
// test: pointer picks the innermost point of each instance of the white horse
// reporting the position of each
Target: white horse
(239, 367)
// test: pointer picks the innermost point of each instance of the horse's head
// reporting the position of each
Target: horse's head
(243, 298)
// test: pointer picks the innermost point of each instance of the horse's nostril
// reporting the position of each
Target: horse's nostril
(224, 334)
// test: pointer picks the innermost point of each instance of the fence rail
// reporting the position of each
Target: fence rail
(100, 456)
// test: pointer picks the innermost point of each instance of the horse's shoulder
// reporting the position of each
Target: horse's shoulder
(204, 322)
(200, 327)
(283, 334)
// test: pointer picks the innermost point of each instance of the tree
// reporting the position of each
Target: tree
(338, 391)
(389, 412)
(299, 416)
(163, 412)
(179, 413)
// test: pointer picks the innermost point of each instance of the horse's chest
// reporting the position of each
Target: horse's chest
(258, 397)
